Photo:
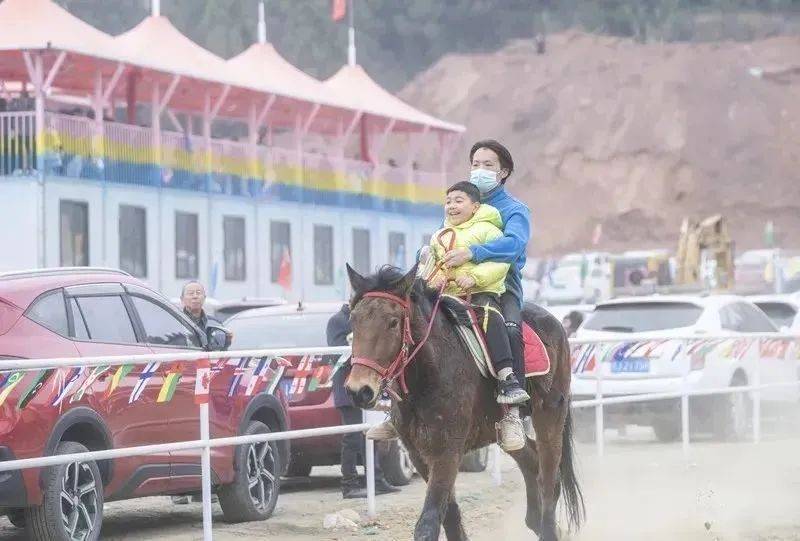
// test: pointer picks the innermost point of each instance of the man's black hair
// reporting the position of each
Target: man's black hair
(468, 188)
(506, 161)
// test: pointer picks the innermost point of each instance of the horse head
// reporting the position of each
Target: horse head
(381, 320)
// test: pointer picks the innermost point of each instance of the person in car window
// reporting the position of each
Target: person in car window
(339, 333)
(193, 298)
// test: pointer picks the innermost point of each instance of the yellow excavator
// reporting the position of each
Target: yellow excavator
(705, 254)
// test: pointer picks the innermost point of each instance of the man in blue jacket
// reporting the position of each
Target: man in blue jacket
(492, 166)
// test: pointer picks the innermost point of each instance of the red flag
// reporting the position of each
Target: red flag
(285, 271)
(202, 383)
(338, 10)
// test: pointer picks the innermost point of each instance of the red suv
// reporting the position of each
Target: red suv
(94, 312)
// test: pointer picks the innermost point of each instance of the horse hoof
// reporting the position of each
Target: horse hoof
(534, 524)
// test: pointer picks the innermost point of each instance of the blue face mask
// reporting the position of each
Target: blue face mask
(484, 180)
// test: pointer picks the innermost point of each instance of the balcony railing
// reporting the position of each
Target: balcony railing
(79, 147)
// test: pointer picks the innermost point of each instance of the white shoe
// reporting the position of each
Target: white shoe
(384, 431)
(510, 433)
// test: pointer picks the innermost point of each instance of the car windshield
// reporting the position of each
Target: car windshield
(279, 331)
(781, 314)
(643, 317)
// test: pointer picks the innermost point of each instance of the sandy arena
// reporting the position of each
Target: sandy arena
(639, 490)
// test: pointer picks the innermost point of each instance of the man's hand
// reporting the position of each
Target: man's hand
(465, 282)
(456, 258)
(437, 280)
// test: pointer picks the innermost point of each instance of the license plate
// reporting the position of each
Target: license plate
(630, 365)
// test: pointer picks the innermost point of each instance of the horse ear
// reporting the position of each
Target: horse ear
(407, 282)
(357, 282)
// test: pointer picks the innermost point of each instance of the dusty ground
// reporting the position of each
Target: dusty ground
(639, 490)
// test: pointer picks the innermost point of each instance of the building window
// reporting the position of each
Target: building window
(361, 251)
(280, 235)
(133, 240)
(74, 233)
(397, 249)
(234, 250)
(186, 245)
(323, 255)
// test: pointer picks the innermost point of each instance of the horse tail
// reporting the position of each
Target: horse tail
(571, 490)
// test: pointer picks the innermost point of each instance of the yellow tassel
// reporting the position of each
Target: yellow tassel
(486, 318)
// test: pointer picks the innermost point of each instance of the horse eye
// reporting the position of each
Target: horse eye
(394, 323)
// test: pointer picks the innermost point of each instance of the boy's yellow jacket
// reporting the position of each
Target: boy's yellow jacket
(489, 276)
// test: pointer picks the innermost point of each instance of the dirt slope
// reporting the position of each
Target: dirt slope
(634, 136)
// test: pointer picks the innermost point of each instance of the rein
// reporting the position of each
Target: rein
(397, 368)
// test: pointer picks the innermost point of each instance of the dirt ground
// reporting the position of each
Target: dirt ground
(639, 490)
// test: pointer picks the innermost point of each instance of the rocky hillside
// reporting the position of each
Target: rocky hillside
(634, 136)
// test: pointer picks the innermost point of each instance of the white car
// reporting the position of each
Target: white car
(631, 364)
(783, 310)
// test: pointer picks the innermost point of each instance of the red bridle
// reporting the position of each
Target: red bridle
(397, 368)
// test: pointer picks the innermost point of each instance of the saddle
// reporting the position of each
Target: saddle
(470, 327)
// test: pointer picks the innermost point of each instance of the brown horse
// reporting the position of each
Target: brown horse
(449, 408)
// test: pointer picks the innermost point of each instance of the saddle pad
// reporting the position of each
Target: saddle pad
(537, 361)
(468, 327)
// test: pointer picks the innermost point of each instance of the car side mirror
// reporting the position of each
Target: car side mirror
(218, 338)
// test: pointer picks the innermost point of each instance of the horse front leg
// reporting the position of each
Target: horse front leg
(441, 478)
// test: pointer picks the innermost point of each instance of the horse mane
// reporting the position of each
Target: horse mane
(389, 280)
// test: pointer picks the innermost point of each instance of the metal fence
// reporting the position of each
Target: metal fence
(17, 143)
(205, 443)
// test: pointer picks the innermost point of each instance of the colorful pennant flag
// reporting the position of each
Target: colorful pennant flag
(96, 373)
(170, 384)
(67, 383)
(301, 374)
(144, 378)
(202, 382)
(117, 378)
(257, 374)
(33, 389)
(238, 374)
(11, 381)
(276, 379)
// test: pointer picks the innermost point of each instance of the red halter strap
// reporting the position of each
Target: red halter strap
(397, 368)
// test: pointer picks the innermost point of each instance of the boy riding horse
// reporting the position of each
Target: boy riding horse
(492, 165)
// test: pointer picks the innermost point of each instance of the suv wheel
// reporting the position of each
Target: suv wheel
(72, 507)
(256, 483)
(396, 464)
